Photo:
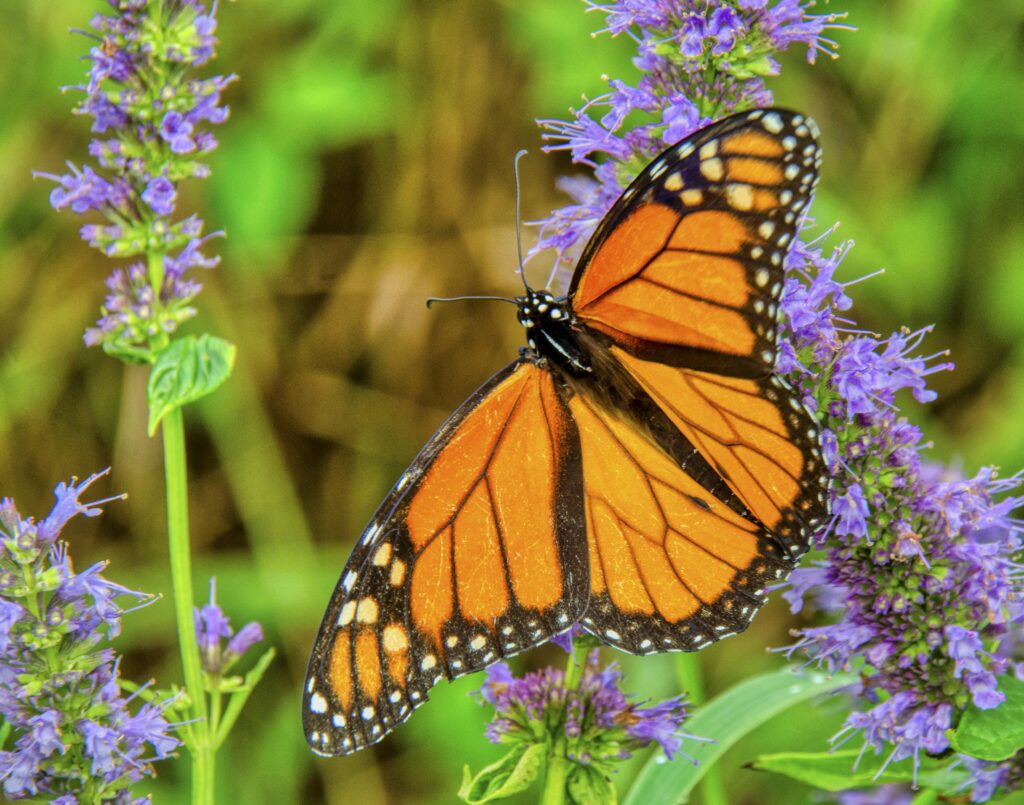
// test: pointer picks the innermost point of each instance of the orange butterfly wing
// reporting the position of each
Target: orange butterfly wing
(454, 571)
(758, 436)
(719, 481)
(687, 267)
(672, 567)
(657, 513)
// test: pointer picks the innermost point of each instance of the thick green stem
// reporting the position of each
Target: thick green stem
(712, 786)
(556, 774)
(176, 474)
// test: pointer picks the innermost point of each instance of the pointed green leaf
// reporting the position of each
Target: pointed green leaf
(513, 773)
(725, 719)
(995, 734)
(587, 786)
(186, 370)
(840, 771)
(240, 695)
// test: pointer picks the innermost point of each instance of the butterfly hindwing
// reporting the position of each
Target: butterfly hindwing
(687, 267)
(454, 571)
(759, 437)
(675, 560)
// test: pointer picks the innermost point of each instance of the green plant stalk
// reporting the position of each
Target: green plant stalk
(712, 786)
(556, 774)
(176, 473)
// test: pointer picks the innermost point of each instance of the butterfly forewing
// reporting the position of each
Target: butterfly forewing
(472, 557)
(687, 267)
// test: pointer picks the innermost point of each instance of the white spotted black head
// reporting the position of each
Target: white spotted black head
(549, 331)
(538, 306)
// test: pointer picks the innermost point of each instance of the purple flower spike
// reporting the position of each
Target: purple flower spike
(149, 139)
(921, 574)
(601, 724)
(70, 735)
(213, 628)
(699, 61)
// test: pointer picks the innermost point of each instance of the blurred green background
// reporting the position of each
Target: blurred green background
(366, 166)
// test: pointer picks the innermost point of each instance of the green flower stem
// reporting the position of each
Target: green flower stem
(557, 773)
(176, 473)
(712, 786)
(926, 797)
(156, 268)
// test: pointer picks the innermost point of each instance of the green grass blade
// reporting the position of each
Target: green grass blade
(725, 719)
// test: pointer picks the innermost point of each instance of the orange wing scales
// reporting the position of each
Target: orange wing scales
(646, 475)
(687, 268)
(757, 434)
(673, 566)
(454, 571)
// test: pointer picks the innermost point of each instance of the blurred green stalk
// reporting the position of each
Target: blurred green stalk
(200, 741)
(712, 786)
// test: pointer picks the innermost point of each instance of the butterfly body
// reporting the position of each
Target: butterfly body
(639, 468)
(551, 332)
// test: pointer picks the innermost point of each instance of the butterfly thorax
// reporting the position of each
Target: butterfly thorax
(550, 331)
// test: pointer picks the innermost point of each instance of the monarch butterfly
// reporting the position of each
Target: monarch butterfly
(638, 468)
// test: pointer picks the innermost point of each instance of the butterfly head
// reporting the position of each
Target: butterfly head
(549, 331)
(538, 307)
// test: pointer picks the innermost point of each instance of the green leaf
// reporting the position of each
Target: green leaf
(995, 734)
(240, 695)
(725, 719)
(186, 370)
(587, 786)
(513, 773)
(840, 771)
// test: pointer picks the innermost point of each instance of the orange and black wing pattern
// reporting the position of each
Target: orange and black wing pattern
(672, 566)
(687, 267)
(474, 555)
(640, 469)
(692, 515)
(708, 484)
(758, 436)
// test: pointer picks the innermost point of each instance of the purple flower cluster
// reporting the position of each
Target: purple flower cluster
(699, 61)
(212, 628)
(601, 725)
(151, 120)
(920, 568)
(69, 733)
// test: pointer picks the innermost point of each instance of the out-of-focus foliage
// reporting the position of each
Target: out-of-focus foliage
(368, 165)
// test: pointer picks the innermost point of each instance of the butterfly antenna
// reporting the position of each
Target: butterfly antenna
(519, 235)
(433, 299)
